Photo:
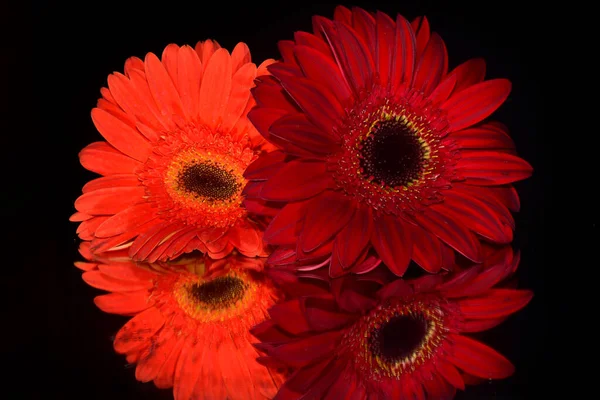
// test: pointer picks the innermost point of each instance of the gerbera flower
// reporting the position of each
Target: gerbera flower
(177, 144)
(405, 342)
(381, 148)
(190, 329)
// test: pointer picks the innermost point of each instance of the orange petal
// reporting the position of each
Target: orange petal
(215, 88)
(121, 135)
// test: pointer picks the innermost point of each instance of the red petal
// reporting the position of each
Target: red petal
(301, 380)
(320, 105)
(492, 167)
(478, 216)
(495, 303)
(286, 49)
(397, 288)
(342, 14)
(430, 68)
(469, 73)
(269, 94)
(102, 158)
(323, 314)
(475, 103)
(450, 373)
(451, 232)
(323, 70)
(480, 325)
(351, 54)
(354, 237)
(297, 180)
(427, 250)
(282, 229)
(289, 316)
(486, 136)
(121, 135)
(508, 196)
(420, 25)
(443, 90)
(325, 216)
(364, 25)
(478, 359)
(264, 166)
(405, 55)
(487, 278)
(385, 45)
(310, 40)
(297, 130)
(393, 242)
(307, 350)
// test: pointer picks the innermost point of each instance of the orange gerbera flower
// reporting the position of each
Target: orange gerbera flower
(177, 144)
(190, 329)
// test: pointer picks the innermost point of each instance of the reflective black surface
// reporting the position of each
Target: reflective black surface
(62, 346)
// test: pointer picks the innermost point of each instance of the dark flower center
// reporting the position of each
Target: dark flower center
(398, 338)
(209, 181)
(220, 292)
(392, 154)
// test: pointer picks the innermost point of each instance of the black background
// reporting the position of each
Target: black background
(61, 337)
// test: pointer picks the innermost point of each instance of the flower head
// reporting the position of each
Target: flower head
(391, 339)
(380, 150)
(191, 321)
(177, 144)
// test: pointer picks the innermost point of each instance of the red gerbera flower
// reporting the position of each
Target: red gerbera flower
(177, 144)
(404, 342)
(190, 329)
(379, 147)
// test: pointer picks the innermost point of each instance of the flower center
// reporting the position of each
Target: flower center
(209, 181)
(194, 176)
(393, 154)
(398, 338)
(218, 293)
(217, 298)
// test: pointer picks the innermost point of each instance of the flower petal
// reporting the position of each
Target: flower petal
(451, 232)
(297, 180)
(475, 103)
(478, 359)
(121, 135)
(215, 88)
(393, 242)
(325, 216)
(492, 167)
